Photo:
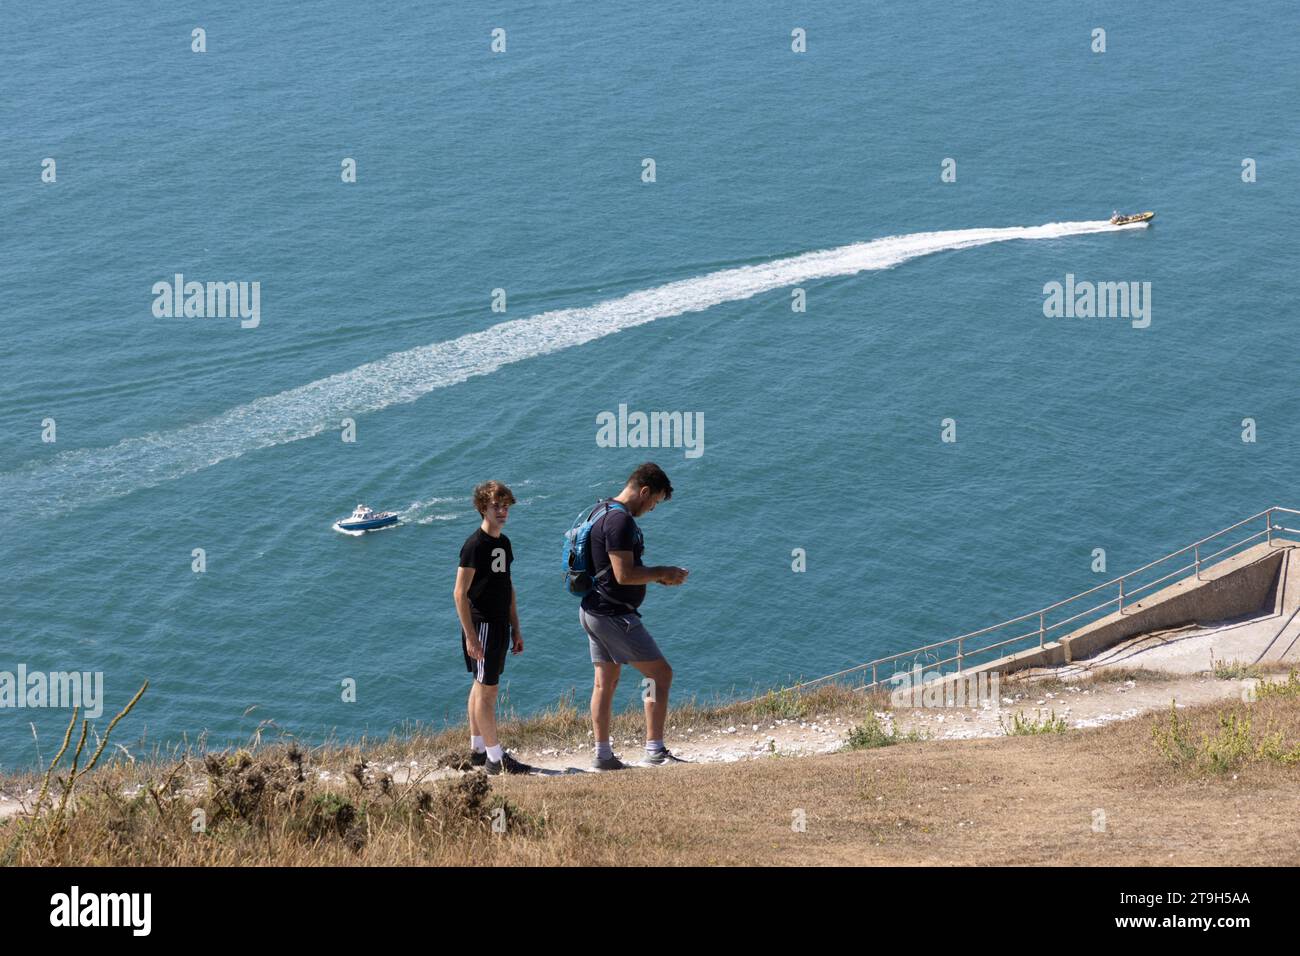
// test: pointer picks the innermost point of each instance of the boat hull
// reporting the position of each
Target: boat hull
(1129, 220)
(370, 524)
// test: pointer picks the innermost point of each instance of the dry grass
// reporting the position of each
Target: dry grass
(1099, 796)
(1094, 678)
(1105, 795)
(269, 808)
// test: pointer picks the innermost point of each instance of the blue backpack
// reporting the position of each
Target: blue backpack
(578, 579)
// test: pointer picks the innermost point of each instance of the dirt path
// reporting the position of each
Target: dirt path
(1079, 706)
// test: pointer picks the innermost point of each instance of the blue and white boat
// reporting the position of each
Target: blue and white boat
(366, 519)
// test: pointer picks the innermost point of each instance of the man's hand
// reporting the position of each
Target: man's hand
(672, 576)
(517, 641)
(473, 648)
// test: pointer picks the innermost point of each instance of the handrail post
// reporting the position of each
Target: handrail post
(1268, 520)
(960, 640)
(873, 674)
(1198, 562)
(1040, 629)
(1121, 595)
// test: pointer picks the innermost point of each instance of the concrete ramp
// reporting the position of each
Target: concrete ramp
(1284, 647)
(1248, 605)
(1191, 649)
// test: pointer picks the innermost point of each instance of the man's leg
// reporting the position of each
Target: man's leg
(604, 683)
(483, 705)
(655, 696)
(602, 699)
(471, 708)
(477, 749)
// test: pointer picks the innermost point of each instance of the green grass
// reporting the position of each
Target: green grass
(1232, 670)
(871, 733)
(1173, 740)
(1288, 688)
(1230, 745)
(784, 704)
(1022, 726)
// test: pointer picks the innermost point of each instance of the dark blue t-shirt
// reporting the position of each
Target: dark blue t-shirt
(613, 531)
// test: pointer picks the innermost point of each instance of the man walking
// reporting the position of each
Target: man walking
(489, 623)
(609, 614)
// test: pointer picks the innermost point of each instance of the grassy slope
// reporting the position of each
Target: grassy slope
(1207, 797)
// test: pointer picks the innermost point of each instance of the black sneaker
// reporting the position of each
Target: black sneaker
(507, 764)
(607, 763)
(477, 758)
(660, 758)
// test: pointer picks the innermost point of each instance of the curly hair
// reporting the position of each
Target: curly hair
(491, 492)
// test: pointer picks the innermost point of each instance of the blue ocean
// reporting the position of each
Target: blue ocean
(919, 170)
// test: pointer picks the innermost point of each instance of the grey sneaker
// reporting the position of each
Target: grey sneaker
(607, 763)
(660, 758)
(507, 764)
(478, 758)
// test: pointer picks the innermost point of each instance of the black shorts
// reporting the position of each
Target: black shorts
(495, 638)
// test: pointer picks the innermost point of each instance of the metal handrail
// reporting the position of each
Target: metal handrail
(1043, 628)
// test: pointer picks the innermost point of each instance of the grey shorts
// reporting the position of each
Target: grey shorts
(618, 638)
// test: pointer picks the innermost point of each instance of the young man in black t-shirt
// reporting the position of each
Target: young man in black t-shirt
(489, 623)
(609, 615)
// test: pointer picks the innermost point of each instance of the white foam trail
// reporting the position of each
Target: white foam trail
(75, 478)
(415, 506)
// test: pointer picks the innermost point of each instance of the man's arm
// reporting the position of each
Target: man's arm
(464, 578)
(517, 645)
(623, 567)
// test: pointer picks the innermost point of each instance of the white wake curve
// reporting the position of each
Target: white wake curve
(75, 478)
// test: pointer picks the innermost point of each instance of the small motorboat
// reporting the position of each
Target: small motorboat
(365, 518)
(1120, 220)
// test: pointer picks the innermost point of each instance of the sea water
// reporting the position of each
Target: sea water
(840, 262)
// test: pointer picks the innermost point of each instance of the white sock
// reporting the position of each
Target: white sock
(654, 746)
(604, 749)
(476, 744)
(495, 753)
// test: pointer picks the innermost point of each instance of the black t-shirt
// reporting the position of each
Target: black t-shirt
(613, 531)
(489, 592)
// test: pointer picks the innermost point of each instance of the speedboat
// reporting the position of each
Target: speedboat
(1121, 220)
(366, 519)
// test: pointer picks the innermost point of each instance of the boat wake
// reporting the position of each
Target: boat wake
(418, 511)
(76, 478)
